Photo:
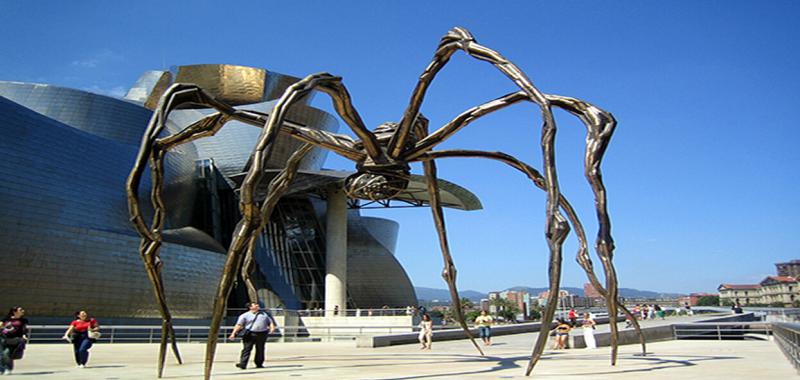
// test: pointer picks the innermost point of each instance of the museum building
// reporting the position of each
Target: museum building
(66, 241)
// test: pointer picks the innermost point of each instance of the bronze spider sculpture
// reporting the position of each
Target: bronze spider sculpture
(382, 160)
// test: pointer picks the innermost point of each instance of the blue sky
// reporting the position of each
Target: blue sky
(700, 173)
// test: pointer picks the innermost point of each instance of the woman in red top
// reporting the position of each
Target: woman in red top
(78, 334)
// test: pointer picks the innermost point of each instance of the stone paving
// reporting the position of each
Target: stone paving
(505, 359)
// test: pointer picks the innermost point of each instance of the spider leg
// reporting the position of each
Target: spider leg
(555, 255)
(600, 126)
(342, 103)
(583, 252)
(252, 216)
(556, 228)
(153, 149)
(449, 271)
(277, 187)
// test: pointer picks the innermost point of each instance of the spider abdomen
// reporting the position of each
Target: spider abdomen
(376, 185)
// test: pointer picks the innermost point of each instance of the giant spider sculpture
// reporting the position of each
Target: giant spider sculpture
(382, 160)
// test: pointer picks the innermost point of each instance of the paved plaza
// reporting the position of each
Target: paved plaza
(505, 359)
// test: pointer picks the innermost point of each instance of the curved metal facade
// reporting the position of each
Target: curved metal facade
(65, 226)
(66, 155)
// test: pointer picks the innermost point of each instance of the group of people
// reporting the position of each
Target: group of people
(564, 326)
(14, 337)
(484, 322)
(254, 326)
(642, 312)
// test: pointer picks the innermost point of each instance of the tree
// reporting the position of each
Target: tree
(726, 303)
(471, 315)
(467, 304)
(505, 308)
(535, 314)
(708, 301)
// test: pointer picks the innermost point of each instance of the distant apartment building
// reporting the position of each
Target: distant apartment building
(520, 299)
(589, 291)
(745, 294)
(779, 289)
(773, 290)
(493, 296)
(564, 298)
(788, 269)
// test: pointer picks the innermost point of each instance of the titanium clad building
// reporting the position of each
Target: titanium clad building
(66, 240)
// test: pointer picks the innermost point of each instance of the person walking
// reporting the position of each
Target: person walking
(13, 338)
(257, 325)
(426, 332)
(588, 325)
(484, 322)
(78, 333)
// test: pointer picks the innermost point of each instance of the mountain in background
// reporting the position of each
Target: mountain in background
(443, 295)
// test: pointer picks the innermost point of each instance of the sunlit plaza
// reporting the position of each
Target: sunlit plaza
(505, 359)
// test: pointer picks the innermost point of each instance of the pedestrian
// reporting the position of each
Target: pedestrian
(588, 325)
(484, 322)
(257, 324)
(573, 317)
(737, 308)
(659, 311)
(13, 338)
(426, 332)
(562, 334)
(78, 333)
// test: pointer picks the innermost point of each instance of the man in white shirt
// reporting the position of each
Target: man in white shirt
(257, 324)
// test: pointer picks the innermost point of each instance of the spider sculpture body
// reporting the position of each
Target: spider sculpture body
(382, 158)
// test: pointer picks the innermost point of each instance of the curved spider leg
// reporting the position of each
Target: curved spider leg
(153, 150)
(556, 226)
(555, 258)
(583, 251)
(449, 271)
(600, 127)
(251, 218)
(277, 187)
(342, 103)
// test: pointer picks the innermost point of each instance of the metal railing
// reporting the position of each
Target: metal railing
(374, 312)
(152, 334)
(787, 335)
(722, 330)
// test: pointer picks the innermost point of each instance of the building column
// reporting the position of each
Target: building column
(336, 252)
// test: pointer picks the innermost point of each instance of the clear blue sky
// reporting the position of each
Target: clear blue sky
(701, 173)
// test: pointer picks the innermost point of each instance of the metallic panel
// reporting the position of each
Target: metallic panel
(65, 227)
(375, 277)
(235, 85)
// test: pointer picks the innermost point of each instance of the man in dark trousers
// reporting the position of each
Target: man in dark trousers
(257, 324)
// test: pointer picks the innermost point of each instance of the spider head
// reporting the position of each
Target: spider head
(377, 183)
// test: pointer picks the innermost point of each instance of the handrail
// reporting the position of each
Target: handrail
(788, 337)
(720, 330)
(152, 333)
(358, 312)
